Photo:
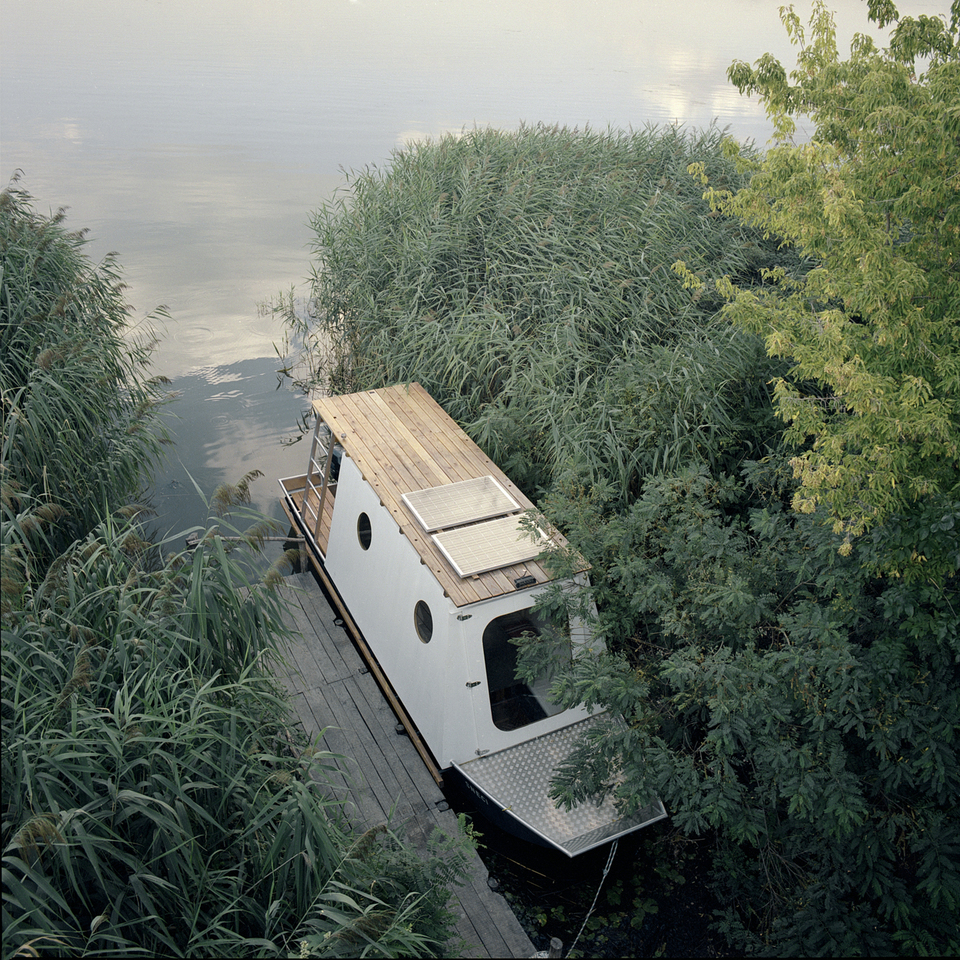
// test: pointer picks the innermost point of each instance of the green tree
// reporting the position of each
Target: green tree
(873, 330)
(777, 695)
(781, 701)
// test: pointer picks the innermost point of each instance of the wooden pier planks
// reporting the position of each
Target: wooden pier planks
(382, 777)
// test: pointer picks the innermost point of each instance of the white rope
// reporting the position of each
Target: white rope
(606, 870)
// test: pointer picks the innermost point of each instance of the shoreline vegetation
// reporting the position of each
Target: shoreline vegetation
(730, 378)
(156, 802)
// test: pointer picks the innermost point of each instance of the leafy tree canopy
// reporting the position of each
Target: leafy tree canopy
(873, 331)
(781, 701)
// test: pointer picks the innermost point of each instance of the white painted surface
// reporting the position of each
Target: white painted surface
(381, 587)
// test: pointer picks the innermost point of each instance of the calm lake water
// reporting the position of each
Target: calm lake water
(194, 138)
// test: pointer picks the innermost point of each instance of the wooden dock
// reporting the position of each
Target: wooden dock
(384, 777)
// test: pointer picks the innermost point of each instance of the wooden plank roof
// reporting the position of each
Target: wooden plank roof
(402, 440)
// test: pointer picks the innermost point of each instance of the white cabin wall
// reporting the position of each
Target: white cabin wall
(490, 737)
(381, 586)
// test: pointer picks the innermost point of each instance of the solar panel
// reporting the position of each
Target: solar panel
(489, 545)
(465, 501)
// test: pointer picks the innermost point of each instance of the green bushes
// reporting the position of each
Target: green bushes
(778, 696)
(781, 700)
(524, 278)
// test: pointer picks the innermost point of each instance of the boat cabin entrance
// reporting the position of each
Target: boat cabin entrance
(514, 703)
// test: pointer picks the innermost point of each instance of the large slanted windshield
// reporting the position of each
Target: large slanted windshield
(513, 702)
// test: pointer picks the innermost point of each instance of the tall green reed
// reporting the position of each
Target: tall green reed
(157, 801)
(81, 412)
(525, 279)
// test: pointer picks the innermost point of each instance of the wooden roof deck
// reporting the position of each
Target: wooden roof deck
(402, 440)
(381, 777)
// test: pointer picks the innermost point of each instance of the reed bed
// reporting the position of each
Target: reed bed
(82, 415)
(525, 278)
(156, 802)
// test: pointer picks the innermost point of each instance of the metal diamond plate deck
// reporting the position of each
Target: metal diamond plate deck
(518, 781)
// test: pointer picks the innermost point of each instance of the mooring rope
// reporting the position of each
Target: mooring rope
(606, 870)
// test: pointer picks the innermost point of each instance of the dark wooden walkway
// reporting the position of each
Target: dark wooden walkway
(383, 778)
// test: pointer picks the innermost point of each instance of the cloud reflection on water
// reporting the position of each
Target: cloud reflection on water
(195, 138)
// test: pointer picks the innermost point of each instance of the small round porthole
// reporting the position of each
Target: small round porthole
(364, 532)
(423, 621)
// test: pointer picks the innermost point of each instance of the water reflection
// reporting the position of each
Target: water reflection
(229, 420)
(194, 139)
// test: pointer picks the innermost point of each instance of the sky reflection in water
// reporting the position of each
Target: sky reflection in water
(195, 138)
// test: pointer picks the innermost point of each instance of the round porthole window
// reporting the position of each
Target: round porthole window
(364, 532)
(423, 620)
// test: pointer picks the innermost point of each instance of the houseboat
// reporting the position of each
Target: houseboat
(418, 536)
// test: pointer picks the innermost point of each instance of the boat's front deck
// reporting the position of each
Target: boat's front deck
(306, 505)
(518, 780)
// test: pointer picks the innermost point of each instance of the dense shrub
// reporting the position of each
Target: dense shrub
(778, 696)
(781, 700)
(524, 278)
(156, 803)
